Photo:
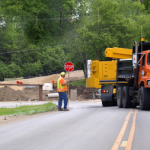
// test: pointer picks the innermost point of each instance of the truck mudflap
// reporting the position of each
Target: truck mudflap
(107, 93)
(106, 97)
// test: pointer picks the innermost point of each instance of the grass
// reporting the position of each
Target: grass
(79, 83)
(28, 110)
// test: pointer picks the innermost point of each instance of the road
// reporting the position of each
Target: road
(87, 126)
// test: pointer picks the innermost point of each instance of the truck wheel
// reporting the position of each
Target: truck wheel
(126, 99)
(104, 103)
(119, 97)
(144, 98)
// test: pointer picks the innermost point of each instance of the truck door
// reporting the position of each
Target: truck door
(141, 68)
(148, 64)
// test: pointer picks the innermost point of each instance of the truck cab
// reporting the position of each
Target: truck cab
(144, 70)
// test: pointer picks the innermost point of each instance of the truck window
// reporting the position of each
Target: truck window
(148, 59)
(143, 61)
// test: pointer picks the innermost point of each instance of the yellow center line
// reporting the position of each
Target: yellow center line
(130, 139)
(123, 129)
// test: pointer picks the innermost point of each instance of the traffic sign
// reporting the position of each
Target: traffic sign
(69, 66)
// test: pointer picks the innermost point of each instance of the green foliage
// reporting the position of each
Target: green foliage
(147, 5)
(110, 24)
(28, 110)
(12, 71)
(9, 71)
(33, 69)
(38, 37)
(53, 59)
(3, 68)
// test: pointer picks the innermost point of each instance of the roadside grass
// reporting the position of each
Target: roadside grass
(78, 83)
(28, 110)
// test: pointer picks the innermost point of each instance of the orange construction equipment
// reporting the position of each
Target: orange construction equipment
(125, 78)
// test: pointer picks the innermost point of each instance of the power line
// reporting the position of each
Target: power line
(63, 18)
(55, 18)
(29, 50)
(55, 37)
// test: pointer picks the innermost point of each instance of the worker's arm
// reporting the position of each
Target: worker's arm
(65, 83)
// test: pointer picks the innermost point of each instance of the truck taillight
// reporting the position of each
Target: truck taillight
(104, 91)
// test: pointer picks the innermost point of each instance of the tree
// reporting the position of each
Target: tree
(147, 4)
(39, 36)
(107, 25)
(52, 60)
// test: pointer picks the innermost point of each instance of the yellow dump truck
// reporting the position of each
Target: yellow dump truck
(124, 79)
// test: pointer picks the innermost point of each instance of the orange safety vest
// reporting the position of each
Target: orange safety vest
(60, 87)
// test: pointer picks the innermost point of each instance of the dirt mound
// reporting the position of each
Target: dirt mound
(8, 94)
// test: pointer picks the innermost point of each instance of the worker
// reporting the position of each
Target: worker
(62, 91)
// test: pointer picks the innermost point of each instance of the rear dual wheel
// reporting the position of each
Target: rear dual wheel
(119, 97)
(126, 99)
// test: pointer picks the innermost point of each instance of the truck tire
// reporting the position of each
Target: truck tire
(119, 97)
(144, 98)
(126, 99)
(104, 103)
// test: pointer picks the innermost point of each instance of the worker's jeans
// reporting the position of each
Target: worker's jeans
(62, 96)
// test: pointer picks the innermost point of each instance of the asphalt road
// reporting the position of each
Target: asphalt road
(87, 126)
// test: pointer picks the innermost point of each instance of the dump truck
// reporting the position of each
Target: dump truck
(124, 79)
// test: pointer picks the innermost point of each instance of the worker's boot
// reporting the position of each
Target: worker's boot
(66, 109)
